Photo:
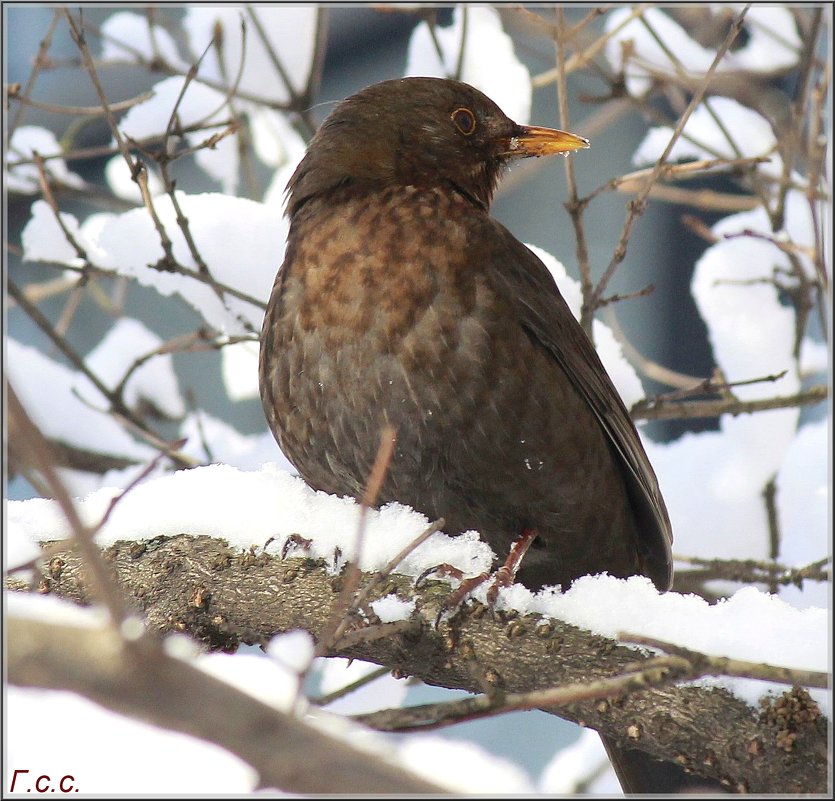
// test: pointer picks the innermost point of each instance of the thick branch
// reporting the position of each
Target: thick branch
(286, 752)
(224, 597)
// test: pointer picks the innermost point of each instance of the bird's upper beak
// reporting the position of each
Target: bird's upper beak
(531, 140)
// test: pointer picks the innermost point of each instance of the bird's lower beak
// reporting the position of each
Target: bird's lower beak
(531, 140)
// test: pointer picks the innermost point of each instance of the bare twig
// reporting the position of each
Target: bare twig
(651, 369)
(707, 665)
(43, 180)
(118, 407)
(178, 269)
(40, 60)
(689, 410)
(579, 60)
(357, 684)
(574, 206)
(751, 571)
(82, 111)
(341, 619)
(636, 206)
(35, 450)
(652, 673)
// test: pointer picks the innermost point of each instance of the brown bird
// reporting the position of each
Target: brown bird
(402, 302)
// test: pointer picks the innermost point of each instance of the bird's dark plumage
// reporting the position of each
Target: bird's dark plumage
(401, 301)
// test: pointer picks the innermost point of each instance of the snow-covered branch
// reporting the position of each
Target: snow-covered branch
(223, 597)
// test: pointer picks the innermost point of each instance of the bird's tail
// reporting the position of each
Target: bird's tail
(640, 774)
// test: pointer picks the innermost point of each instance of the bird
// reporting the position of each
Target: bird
(401, 302)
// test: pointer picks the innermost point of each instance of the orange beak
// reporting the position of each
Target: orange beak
(531, 140)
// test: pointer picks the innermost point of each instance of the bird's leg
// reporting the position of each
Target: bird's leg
(446, 569)
(503, 577)
(297, 541)
(506, 574)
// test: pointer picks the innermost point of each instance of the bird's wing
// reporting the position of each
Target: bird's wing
(548, 320)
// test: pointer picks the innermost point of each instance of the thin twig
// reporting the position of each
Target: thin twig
(645, 365)
(40, 60)
(82, 111)
(347, 689)
(573, 205)
(118, 407)
(425, 717)
(579, 60)
(38, 455)
(362, 596)
(752, 571)
(707, 665)
(178, 269)
(690, 410)
(340, 618)
(273, 56)
(43, 181)
(637, 206)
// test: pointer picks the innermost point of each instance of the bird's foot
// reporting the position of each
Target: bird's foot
(295, 541)
(506, 574)
(503, 577)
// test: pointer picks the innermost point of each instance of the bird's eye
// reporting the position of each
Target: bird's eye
(464, 120)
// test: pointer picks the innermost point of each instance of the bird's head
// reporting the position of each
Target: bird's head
(424, 132)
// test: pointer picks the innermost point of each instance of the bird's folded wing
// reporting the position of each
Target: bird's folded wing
(529, 282)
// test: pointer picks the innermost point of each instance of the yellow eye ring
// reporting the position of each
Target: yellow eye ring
(464, 121)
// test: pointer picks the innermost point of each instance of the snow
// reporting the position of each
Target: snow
(279, 145)
(752, 334)
(274, 139)
(239, 368)
(248, 508)
(622, 373)
(51, 609)
(212, 440)
(773, 44)
(118, 177)
(803, 487)
(199, 105)
(97, 763)
(704, 138)
(384, 692)
(574, 765)
(153, 382)
(464, 767)
(814, 357)
(294, 650)
(43, 239)
(125, 34)
(490, 63)
(25, 141)
(20, 550)
(128, 244)
(290, 34)
(47, 390)
(391, 608)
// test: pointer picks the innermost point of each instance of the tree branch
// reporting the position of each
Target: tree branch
(224, 597)
(287, 753)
